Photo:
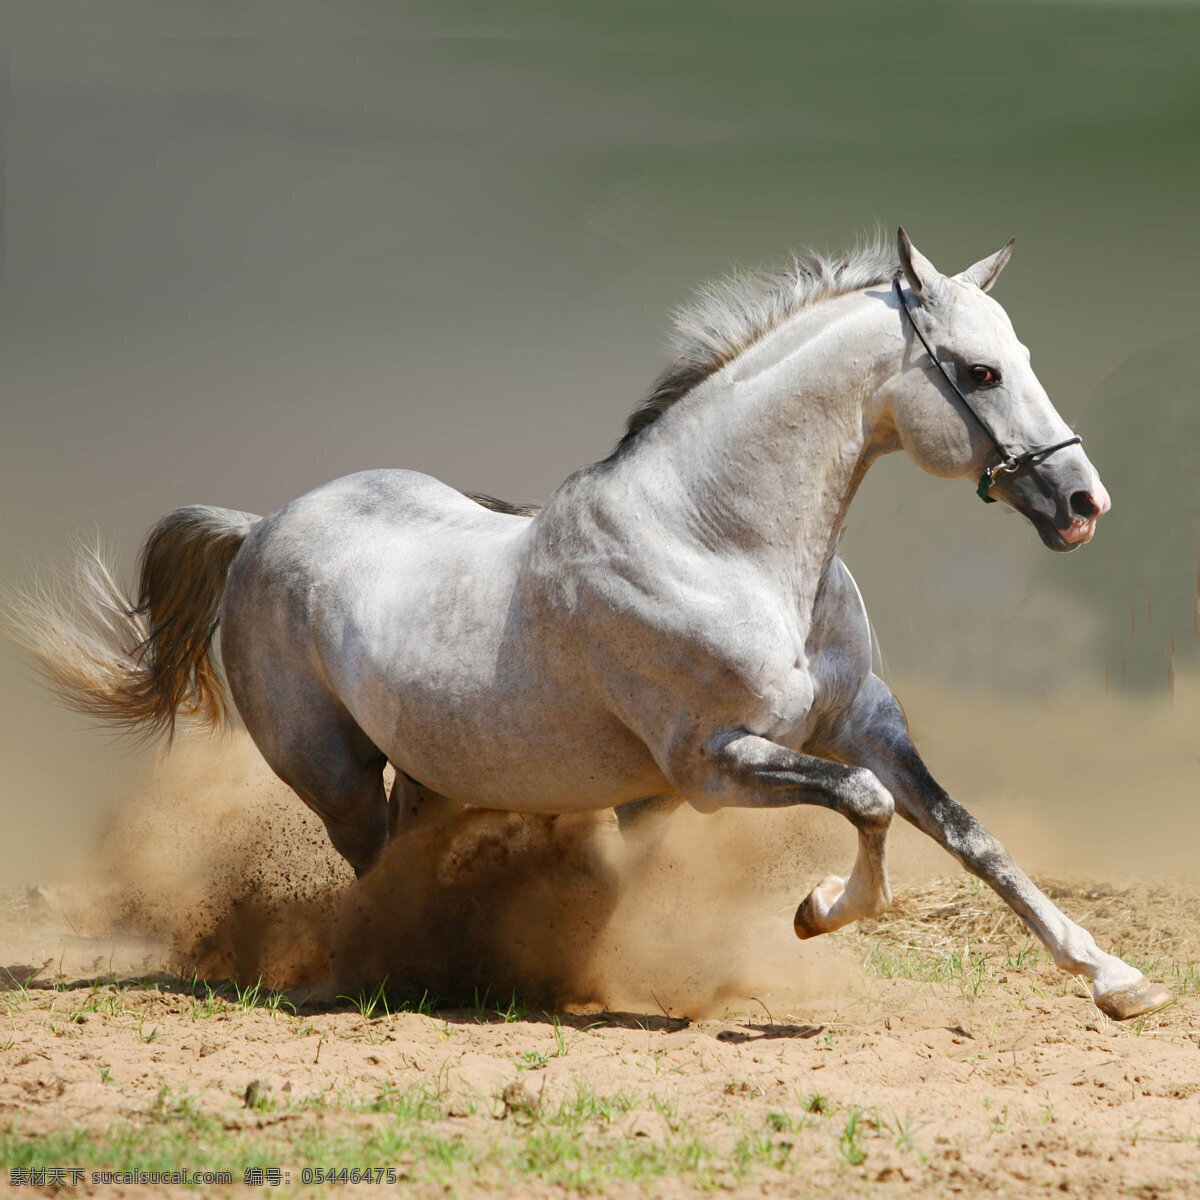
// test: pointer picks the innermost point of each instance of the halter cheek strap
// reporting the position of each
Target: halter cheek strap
(1009, 463)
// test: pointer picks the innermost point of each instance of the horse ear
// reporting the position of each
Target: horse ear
(983, 274)
(921, 273)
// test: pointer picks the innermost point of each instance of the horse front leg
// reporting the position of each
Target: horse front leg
(875, 735)
(747, 771)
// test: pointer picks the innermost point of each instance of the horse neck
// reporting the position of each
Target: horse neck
(766, 456)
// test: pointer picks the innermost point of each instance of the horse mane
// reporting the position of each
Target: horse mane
(730, 315)
(511, 508)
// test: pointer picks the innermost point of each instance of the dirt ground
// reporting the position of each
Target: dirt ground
(957, 1062)
(531, 1008)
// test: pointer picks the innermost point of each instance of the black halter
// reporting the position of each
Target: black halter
(1009, 463)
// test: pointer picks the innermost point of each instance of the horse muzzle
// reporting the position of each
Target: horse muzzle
(1062, 501)
(1086, 508)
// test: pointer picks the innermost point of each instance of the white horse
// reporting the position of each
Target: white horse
(673, 625)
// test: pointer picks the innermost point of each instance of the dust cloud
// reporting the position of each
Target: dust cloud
(690, 916)
(215, 858)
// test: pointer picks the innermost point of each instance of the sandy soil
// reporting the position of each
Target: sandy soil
(609, 1020)
(1003, 1080)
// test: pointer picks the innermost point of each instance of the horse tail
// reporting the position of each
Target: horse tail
(139, 665)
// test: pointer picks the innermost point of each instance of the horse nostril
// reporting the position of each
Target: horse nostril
(1082, 505)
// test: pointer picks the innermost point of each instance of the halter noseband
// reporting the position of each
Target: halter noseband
(1009, 463)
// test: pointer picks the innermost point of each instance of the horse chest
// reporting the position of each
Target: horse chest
(836, 659)
(837, 675)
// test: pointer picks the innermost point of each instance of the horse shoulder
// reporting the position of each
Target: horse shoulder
(666, 631)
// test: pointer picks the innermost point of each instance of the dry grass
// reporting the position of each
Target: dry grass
(955, 931)
(957, 910)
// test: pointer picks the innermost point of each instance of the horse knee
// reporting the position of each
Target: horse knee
(870, 805)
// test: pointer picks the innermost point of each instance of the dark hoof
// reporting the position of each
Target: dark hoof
(1134, 1000)
(805, 922)
(809, 922)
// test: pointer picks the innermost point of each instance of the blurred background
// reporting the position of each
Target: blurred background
(249, 249)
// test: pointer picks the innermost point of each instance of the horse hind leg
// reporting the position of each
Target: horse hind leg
(316, 748)
(351, 801)
(340, 778)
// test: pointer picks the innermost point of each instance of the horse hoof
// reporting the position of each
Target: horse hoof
(805, 923)
(1134, 1000)
(811, 920)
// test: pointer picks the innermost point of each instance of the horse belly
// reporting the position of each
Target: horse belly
(525, 760)
(508, 739)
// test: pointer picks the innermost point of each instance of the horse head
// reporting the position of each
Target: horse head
(966, 402)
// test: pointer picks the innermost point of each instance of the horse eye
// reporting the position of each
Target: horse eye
(982, 374)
